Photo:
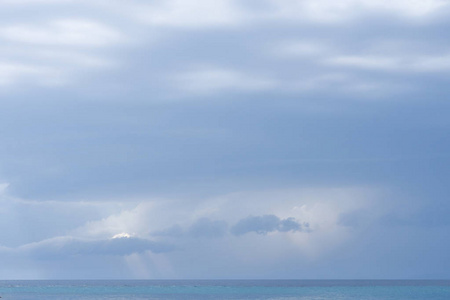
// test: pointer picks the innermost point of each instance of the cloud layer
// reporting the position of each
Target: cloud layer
(170, 139)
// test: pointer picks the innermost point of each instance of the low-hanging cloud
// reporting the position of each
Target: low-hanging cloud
(68, 246)
(201, 228)
(267, 223)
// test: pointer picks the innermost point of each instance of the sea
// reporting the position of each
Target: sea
(226, 289)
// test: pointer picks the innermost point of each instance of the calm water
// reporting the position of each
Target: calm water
(227, 289)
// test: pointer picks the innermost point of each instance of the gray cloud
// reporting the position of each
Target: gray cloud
(278, 62)
(195, 99)
(265, 224)
(202, 228)
(67, 246)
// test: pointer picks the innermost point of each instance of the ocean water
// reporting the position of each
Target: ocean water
(227, 289)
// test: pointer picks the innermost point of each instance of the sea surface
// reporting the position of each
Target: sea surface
(227, 289)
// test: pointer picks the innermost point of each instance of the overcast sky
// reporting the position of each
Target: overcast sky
(224, 139)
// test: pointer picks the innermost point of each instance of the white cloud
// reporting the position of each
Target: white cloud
(350, 69)
(437, 63)
(11, 73)
(28, 2)
(188, 14)
(74, 59)
(313, 11)
(18, 3)
(410, 8)
(121, 235)
(64, 47)
(394, 63)
(61, 49)
(328, 11)
(135, 221)
(365, 62)
(203, 14)
(66, 32)
(378, 55)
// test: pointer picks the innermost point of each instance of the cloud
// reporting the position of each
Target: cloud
(328, 11)
(370, 67)
(365, 55)
(13, 72)
(406, 7)
(135, 220)
(61, 49)
(290, 224)
(267, 223)
(203, 233)
(285, 78)
(202, 228)
(69, 246)
(65, 32)
(31, 2)
(67, 46)
(366, 62)
(393, 63)
(198, 14)
(31, 221)
(206, 15)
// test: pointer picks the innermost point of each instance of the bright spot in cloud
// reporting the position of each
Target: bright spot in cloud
(121, 235)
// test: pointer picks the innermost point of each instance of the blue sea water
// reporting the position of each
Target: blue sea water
(228, 289)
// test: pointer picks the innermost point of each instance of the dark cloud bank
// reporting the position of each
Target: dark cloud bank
(202, 228)
(267, 223)
(206, 228)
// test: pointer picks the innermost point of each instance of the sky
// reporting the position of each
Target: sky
(226, 139)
